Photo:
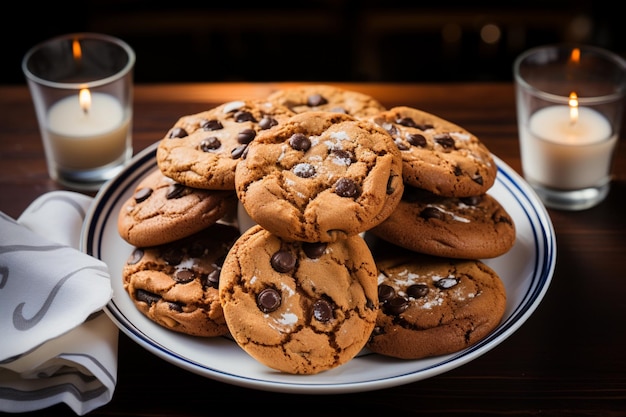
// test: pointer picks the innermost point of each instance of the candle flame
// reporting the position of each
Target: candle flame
(76, 50)
(573, 108)
(575, 56)
(84, 97)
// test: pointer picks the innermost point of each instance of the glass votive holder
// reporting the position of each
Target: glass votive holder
(82, 89)
(570, 103)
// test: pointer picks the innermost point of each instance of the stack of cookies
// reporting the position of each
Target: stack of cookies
(435, 294)
(299, 289)
(364, 229)
(181, 217)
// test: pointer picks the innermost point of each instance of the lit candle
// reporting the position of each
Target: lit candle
(89, 130)
(567, 147)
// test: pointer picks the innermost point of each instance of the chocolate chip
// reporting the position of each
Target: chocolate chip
(238, 151)
(268, 300)
(322, 310)
(178, 132)
(283, 261)
(304, 170)
(175, 306)
(175, 190)
(267, 122)
(316, 100)
(406, 121)
(209, 144)
(396, 305)
(416, 139)
(184, 275)
(424, 126)
(478, 179)
(445, 283)
(246, 136)
(244, 116)
(345, 187)
(431, 213)
(211, 125)
(173, 255)
(299, 142)
(213, 279)
(135, 256)
(314, 250)
(390, 188)
(142, 194)
(345, 157)
(472, 201)
(445, 140)
(385, 293)
(146, 297)
(417, 290)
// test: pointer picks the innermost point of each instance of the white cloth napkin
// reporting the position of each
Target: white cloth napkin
(56, 343)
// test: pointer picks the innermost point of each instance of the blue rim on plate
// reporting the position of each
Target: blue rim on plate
(526, 271)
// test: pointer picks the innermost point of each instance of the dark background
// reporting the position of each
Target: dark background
(325, 40)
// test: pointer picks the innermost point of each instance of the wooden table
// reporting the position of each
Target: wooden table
(568, 358)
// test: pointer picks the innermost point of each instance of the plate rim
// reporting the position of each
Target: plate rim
(545, 251)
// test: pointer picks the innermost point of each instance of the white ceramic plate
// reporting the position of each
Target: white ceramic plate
(526, 271)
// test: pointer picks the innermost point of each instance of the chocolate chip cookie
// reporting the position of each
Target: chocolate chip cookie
(299, 307)
(322, 97)
(162, 210)
(457, 227)
(201, 150)
(438, 155)
(320, 177)
(176, 284)
(432, 306)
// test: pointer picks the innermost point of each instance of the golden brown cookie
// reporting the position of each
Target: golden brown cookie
(162, 210)
(176, 284)
(467, 227)
(201, 150)
(432, 305)
(438, 155)
(299, 307)
(322, 97)
(320, 177)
